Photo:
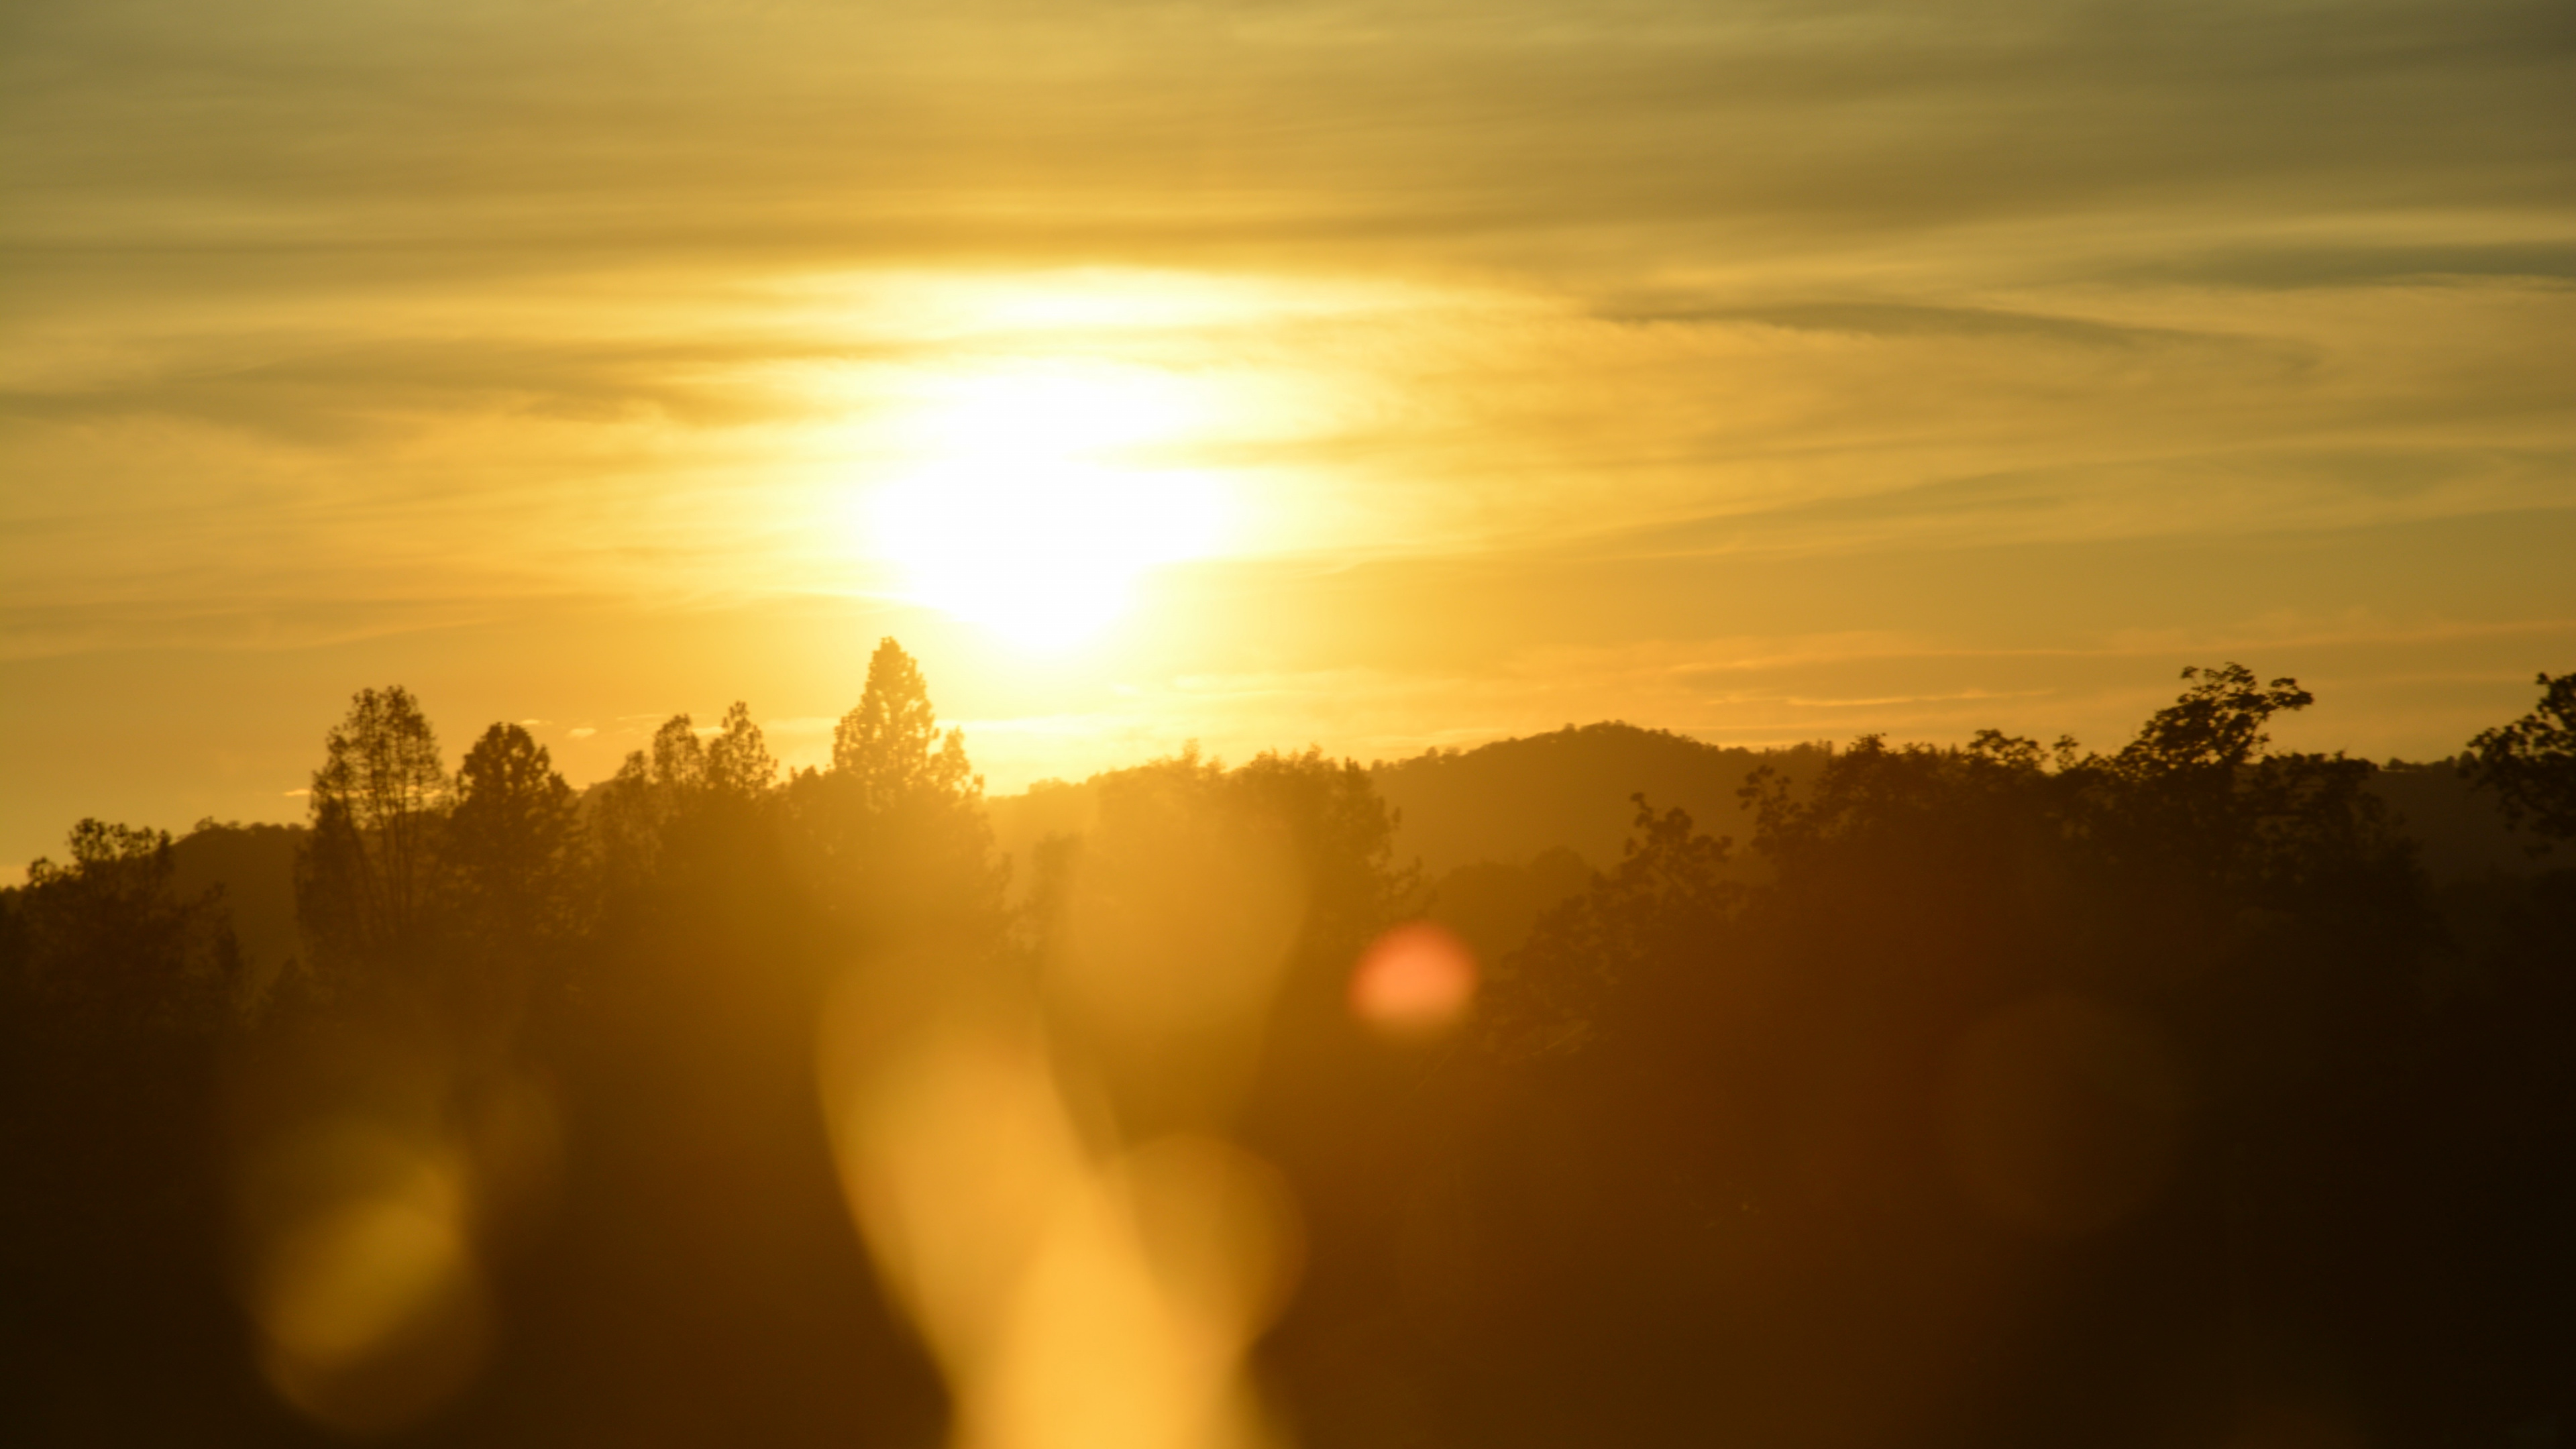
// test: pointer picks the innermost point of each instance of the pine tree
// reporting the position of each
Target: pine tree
(365, 879)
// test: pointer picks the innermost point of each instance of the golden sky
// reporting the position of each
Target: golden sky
(1375, 376)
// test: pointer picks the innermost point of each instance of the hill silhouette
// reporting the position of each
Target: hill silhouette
(1507, 802)
(2461, 832)
(1512, 800)
(255, 865)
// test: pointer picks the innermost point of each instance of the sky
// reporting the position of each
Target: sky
(1374, 376)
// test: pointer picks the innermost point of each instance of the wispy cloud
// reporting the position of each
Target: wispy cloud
(341, 331)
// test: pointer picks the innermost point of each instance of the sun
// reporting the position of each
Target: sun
(1040, 496)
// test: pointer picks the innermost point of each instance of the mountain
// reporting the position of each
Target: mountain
(2460, 831)
(255, 864)
(1512, 800)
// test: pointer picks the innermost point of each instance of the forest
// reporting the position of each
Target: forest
(2186, 1092)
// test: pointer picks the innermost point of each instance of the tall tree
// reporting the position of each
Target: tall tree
(512, 847)
(364, 882)
(890, 746)
(638, 801)
(892, 839)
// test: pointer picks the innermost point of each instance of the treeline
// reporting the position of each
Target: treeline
(2002, 1094)
(2049, 1097)
(584, 1023)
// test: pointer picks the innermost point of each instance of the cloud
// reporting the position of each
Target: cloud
(398, 327)
(324, 391)
(355, 136)
(369, 268)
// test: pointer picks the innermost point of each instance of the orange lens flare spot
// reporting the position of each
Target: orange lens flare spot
(1415, 980)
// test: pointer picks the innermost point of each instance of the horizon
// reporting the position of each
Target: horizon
(806, 745)
(1374, 378)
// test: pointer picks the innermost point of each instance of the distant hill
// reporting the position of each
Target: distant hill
(1509, 801)
(2461, 831)
(255, 864)
(1501, 831)
(1512, 800)
(1506, 802)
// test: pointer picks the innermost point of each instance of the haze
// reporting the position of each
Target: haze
(1379, 376)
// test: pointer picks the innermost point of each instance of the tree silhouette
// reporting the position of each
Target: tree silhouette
(890, 747)
(1590, 961)
(110, 943)
(514, 862)
(2530, 764)
(679, 760)
(2217, 724)
(636, 803)
(892, 838)
(2199, 802)
(366, 876)
(1344, 836)
(738, 759)
(669, 795)
(118, 999)
(1272, 876)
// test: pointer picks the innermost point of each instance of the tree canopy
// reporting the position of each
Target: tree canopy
(2530, 764)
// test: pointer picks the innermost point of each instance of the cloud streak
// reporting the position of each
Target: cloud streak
(329, 325)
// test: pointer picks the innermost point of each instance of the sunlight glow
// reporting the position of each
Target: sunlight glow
(1043, 494)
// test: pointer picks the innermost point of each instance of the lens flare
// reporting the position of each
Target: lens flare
(1415, 981)
(361, 1277)
(374, 1187)
(1076, 1296)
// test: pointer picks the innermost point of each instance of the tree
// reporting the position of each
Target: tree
(633, 805)
(2200, 801)
(2530, 764)
(738, 760)
(1197, 940)
(2217, 724)
(1592, 958)
(1344, 835)
(512, 847)
(891, 840)
(365, 880)
(890, 747)
(109, 940)
(685, 782)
